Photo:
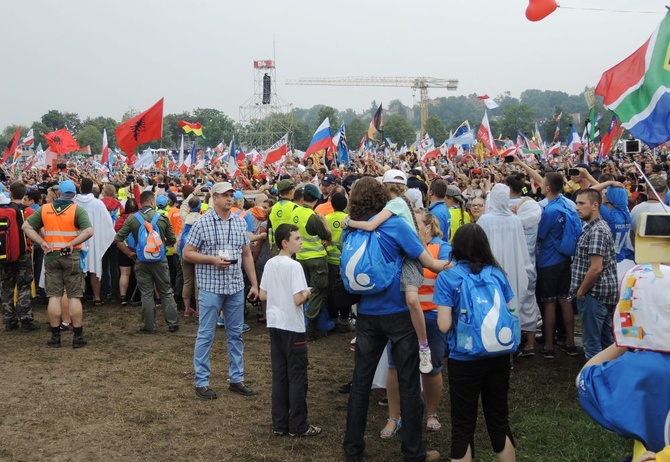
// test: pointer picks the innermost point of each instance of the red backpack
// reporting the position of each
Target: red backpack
(11, 220)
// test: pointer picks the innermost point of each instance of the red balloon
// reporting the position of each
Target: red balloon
(540, 9)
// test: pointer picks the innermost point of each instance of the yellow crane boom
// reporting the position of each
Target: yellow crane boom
(420, 83)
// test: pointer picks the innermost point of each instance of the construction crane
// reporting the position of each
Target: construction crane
(420, 83)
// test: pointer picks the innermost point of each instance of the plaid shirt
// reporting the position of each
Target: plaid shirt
(210, 235)
(596, 240)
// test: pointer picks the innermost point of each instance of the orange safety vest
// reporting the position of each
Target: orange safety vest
(59, 228)
(428, 287)
(175, 220)
(239, 212)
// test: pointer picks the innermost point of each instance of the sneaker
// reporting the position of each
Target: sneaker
(246, 327)
(527, 353)
(157, 302)
(569, 350)
(311, 431)
(425, 363)
(189, 312)
(66, 327)
(54, 341)
(352, 344)
(220, 322)
(28, 326)
(205, 393)
(78, 341)
(124, 300)
(384, 401)
(548, 354)
(344, 389)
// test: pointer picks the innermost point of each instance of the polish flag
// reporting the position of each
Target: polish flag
(488, 101)
(485, 136)
(277, 151)
(554, 150)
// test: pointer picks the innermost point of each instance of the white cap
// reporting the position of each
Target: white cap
(394, 176)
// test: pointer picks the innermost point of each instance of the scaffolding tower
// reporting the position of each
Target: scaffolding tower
(261, 115)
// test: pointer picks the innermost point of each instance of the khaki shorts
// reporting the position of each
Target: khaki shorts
(64, 273)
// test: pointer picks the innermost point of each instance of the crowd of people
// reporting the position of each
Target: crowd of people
(206, 245)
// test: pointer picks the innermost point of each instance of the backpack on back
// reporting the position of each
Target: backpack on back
(184, 237)
(572, 229)
(10, 234)
(149, 247)
(485, 326)
(363, 266)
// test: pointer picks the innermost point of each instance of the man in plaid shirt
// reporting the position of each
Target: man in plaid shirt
(594, 277)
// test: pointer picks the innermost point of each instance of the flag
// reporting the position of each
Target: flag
(29, 139)
(277, 151)
(145, 160)
(342, 148)
(538, 137)
(61, 141)
(554, 150)
(488, 101)
(219, 148)
(558, 130)
(189, 127)
(463, 136)
(362, 144)
(637, 89)
(321, 139)
(104, 158)
(233, 169)
(485, 136)
(573, 139)
(558, 117)
(376, 124)
(11, 145)
(142, 128)
(607, 141)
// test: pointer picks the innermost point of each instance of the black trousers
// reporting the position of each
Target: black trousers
(289, 381)
(489, 378)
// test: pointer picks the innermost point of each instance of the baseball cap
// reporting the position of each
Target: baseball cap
(209, 184)
(285, 185)
(415, 172)
(453, 191)
(161, 200)
(173, 197)
(657, 182)
(67, 188)
(260, 198)
(238, 195)
(394, 176)
(221, 188)
(328, 180)
(312, 190)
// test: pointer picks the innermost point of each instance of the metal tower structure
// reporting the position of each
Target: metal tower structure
(416, 83)
(261, 129)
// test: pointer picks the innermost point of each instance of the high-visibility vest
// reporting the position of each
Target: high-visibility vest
(169, 250)
(334, 249)
(428, 286)
(458, 219)
(312, 246)
(59, 228)
(239, 212)
(280, 213)
(175, 220)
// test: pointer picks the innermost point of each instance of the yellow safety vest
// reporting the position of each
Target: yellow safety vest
(334, 249)
(169, 250)
(312, 247)
(280, 213)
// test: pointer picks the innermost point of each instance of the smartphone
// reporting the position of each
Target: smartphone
(161, 185)
(232, 262)
(573, 172)
(509, 159)
(198, 181)
(655, 225)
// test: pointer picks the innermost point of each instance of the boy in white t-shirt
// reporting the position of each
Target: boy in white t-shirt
(284, 287)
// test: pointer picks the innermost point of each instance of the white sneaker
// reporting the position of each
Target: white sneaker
(425, 363)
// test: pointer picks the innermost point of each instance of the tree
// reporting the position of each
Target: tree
(399, 130)
(53, 120)
(331, 113)
(91, 136)
(355, 131)
(172, 131)
(436, 129)
(39, 129)
(216, 126)
(516, 117)
(104, 123)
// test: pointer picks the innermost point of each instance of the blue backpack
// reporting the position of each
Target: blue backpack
(149, 247)
(485, 326)
(363, 266)
(572, 229)
(184, 236)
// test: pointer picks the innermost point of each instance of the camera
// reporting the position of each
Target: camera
(198, 181)
(632, 147)
(573, 172)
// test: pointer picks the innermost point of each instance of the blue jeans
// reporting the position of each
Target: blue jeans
(372, 334)
(233, 310)
(596, 325)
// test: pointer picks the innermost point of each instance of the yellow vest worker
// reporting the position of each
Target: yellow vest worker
(281, 211)
(334, 249)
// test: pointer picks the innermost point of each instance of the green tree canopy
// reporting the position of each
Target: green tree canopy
(91, 136)
(516, 117)
(399, 130)
(436, 129)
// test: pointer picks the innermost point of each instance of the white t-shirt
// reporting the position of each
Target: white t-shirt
(282, 278)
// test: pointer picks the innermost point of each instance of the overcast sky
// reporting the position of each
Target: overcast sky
(100, 58)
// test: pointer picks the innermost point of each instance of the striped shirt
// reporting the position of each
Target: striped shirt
(210, 235)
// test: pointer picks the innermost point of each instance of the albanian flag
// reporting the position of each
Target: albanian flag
(189, 127)
(61, 141)
(12, 144)
(142, 128)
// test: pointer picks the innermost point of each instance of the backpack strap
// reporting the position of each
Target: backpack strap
(155, 219)
(139, 217)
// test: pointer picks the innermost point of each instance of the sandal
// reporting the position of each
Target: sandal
(386, 434)
(434, 426)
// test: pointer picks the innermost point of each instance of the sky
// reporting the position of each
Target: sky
(101, 58)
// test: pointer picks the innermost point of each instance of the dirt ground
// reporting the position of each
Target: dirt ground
(129, 397)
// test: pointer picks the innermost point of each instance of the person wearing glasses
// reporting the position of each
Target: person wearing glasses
(476, 209)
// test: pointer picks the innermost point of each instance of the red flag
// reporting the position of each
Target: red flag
(12, 144)
(485, 136)
(142, 128)
(61, 141)
(277, 151)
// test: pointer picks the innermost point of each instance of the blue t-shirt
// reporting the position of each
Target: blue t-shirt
(619, 223)
(549, 233)
(441, 212)
(447, 293)
(396, 239)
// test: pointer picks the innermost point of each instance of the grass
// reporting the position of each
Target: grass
(129, 397)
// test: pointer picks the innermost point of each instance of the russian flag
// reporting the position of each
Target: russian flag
(321, 139)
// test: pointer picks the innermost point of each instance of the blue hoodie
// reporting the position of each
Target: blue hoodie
(618, 220)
